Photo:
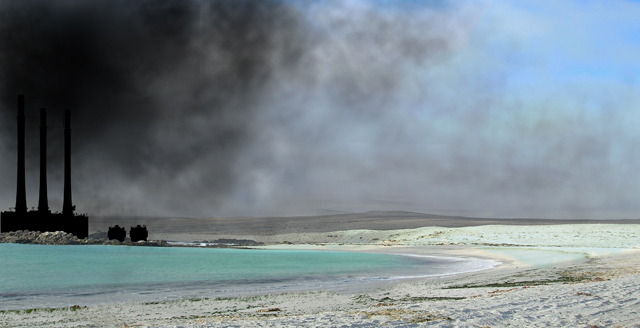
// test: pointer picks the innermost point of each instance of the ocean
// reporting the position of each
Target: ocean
(34, 276)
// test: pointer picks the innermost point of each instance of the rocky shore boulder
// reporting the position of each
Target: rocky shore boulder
(63, 238)
(56, 238)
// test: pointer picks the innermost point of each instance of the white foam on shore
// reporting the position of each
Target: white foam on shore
(194, 244)
(464, 265)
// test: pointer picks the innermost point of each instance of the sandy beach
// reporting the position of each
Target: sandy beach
(560, 275)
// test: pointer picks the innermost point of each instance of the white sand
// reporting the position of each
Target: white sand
(560, 276)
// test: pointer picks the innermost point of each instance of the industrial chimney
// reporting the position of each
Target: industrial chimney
(43, 202)
(67, 205)
(43, 219)
(21, 193)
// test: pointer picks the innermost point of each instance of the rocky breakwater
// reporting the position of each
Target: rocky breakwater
(63, 238)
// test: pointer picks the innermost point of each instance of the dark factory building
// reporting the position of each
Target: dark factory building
(117, 233)
(138, 233)
(43, 219)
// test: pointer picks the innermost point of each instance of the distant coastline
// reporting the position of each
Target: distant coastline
(98, 238)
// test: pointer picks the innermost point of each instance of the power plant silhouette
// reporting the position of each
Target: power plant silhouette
(43, 219)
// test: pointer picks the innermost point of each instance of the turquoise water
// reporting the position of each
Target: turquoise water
(44, 275)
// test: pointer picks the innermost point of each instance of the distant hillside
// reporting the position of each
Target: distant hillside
(376, 220)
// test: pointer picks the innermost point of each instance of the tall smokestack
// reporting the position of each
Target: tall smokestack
(43, 203)
(67, 205)
(21, 193)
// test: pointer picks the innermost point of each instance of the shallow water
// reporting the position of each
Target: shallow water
(46, 276)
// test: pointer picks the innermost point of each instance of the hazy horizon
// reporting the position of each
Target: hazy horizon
(200, 108)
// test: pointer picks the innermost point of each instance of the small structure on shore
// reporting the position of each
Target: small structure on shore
(117, 232)
(138, 233)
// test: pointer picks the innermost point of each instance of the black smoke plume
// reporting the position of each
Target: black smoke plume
(156, 88)
(236, 107)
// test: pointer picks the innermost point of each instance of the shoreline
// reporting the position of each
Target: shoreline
(188, 290)
(566, 279)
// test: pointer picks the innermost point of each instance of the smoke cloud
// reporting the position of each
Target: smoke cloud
(162, 93)
(223, 108)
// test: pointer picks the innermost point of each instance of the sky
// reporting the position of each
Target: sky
(205, 108)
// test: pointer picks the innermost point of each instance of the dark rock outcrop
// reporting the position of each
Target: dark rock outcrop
(63, 238)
